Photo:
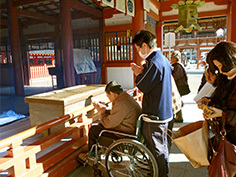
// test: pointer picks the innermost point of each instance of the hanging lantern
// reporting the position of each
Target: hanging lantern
(188, 15)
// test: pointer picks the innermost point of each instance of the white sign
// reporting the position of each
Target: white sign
(170, 39)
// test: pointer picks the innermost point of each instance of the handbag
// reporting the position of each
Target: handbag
(223, 161)
(177, 102)
(192, 140)
(184, 89)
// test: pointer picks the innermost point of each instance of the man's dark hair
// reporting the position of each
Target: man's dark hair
(144, 36)
(114, 87)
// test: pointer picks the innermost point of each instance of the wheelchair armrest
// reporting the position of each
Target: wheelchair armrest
(117, 133)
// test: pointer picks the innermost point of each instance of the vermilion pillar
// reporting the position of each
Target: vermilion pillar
(229, 22)
(16, 51)
(138, 24)
(67, 43)
(233, 17)
(159, 33)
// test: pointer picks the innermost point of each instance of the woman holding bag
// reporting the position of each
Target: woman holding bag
(180, 76)
(222, 61)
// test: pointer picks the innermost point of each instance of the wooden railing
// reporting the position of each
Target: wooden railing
(39, 158)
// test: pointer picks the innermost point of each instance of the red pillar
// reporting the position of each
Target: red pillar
(16, 51)
(67, 43)
(102, 50)
(138, 24)
(233, 24)
(159, 33)
(198, 55)
(229, 22)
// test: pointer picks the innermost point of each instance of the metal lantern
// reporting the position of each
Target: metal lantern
(188, 15)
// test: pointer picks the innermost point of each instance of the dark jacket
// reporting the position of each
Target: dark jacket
(231, 115)
(155, 83)
(179, 75)
(224, 98)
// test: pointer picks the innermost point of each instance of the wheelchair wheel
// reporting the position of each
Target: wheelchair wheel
(127, 157)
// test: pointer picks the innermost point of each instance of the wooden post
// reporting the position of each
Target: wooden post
(58, 57)
(198, 55)
(15, 150)
(102, 51)
(233, 24)
(159, 34)
(16, 50)
(229, 22)
(67, 43)
(138, 24)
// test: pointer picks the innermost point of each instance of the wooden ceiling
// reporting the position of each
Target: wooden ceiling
(47, 11)
(41, 11)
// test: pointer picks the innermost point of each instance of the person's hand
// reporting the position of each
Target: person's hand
(203, 101)
(210, 77)
(217, 113)
(136, 69)
(101, 108)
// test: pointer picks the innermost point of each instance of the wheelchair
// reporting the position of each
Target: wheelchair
(125, 156)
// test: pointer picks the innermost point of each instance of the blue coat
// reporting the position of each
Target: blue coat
(155, 83)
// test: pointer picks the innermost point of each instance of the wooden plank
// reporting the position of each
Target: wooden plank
(53, 157)
(65, 166)
(76, 5)
(29, 2)
(36, 15)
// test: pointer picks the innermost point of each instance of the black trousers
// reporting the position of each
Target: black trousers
(156, 141)
(94, 132)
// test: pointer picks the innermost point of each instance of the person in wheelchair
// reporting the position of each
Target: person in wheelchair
(122, 117)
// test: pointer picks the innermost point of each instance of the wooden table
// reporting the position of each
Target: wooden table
(50, 105)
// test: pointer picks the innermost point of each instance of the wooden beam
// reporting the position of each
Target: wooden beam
(80, 15)
(212, 13)
(29, 2)
(76, 5)
(36, 15)
(153, 15)
(118, 28)
(109, 12)
(86, 31)
(200, 15)
(219, 2)
(156, 3)
(165, 5)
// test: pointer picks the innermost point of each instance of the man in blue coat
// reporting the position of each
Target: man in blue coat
(153, 78)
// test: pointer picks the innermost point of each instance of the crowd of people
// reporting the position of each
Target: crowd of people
(153, 79)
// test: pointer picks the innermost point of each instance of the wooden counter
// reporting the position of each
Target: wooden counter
(47, 106)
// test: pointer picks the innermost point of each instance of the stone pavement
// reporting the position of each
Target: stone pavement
(179, 164)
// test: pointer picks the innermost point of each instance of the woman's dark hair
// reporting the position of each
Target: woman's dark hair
(144, 36)
(225, 53)
(114, 87)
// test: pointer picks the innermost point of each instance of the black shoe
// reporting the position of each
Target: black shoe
(178, 120)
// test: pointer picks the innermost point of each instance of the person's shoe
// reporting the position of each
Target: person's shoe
(82, 157)
(178, 120)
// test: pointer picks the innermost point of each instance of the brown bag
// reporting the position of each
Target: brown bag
(223, 162)
(177, 102)
(192, 140)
